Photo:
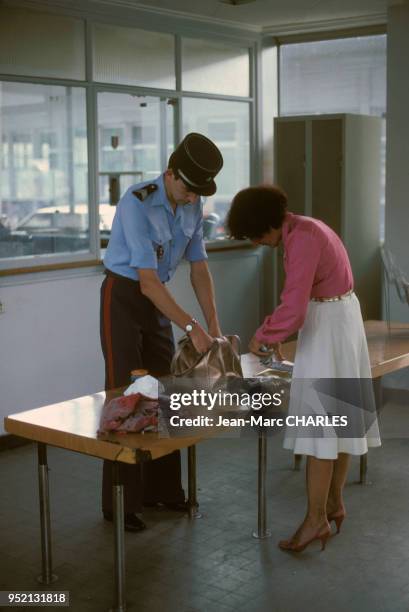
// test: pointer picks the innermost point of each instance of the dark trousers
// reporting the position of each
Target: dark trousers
(134, 335)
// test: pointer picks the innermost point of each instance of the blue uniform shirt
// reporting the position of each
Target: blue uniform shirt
(147, 234)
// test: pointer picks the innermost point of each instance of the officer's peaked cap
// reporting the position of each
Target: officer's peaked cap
(196, 161)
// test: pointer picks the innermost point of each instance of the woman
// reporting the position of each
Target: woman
(318, 301)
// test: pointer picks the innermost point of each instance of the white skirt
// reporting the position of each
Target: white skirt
(332, 346)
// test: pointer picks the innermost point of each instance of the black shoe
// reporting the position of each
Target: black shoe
(175, 506)
(132, 521)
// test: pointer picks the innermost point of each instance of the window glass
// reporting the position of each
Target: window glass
(129, 56)
(334, 76)
(43, 165)
(211, 67)
(135, 137)
(227, 124)
(337, 76)
(37, 44)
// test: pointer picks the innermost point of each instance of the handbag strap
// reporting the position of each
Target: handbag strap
(182, 342)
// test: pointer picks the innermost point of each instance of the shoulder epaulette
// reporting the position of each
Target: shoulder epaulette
(143, 193)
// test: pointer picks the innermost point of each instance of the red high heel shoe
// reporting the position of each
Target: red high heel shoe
(322, 534)
(338, 518)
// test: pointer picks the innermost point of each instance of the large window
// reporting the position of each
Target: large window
(43, 161)
(88, 109)
(135, 133)
(227, 124)
(336, 76)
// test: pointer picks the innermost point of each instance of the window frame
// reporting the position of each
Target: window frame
(53, 261)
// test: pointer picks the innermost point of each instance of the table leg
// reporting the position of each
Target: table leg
(377, 387)
(192, 491)
(47, 576)
(262, 532)
(297, 462)
(363, 468)
(363, 461)
(118, 508)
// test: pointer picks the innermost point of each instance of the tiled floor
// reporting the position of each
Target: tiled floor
(213, 564)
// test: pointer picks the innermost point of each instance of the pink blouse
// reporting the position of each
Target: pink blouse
(316, 265)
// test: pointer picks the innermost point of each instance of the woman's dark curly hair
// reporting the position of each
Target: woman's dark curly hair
(255, 210)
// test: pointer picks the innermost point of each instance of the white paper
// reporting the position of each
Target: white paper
(146, 385)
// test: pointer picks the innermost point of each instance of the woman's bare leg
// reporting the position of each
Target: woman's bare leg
(335, 501)
(318, 475)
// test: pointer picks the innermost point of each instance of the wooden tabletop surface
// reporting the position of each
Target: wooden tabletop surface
(74, 424)
(388, 350)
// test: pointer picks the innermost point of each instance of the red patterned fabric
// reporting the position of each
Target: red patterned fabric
(131, 413)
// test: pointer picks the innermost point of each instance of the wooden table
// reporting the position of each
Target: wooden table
(388, 349)
(388, 352)
(73, 425)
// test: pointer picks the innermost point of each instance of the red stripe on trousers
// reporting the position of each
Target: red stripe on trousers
(108, 332)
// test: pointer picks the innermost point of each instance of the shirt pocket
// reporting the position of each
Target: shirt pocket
(160, 238)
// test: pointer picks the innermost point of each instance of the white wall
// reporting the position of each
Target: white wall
(397, 156)
(49, 332)
(238, 279)
(49, 342)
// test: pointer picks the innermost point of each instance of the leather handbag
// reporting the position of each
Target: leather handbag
(214, 368)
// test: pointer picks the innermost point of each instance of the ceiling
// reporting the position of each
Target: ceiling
(276, 16)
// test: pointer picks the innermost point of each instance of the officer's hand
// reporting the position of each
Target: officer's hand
(215, 331)
(200, 339)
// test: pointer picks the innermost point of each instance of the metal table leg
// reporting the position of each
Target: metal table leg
(363, 462)
(46, 576)
(192, 494)
(262, 532)
(119, 545)
(363, 468)
(377, 387)
(297, 462)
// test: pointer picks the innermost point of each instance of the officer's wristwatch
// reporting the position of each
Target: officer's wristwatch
(189, 326)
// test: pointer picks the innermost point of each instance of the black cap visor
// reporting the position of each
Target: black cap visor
(208, 189)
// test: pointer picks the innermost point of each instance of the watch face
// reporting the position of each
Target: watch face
(189, 328)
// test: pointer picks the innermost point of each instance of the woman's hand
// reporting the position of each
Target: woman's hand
(275, 347)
